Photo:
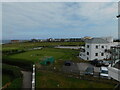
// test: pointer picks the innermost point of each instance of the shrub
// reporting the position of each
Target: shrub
(11, 70)
(18, 62)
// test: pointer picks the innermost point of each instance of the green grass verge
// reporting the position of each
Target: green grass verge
(6, 78)
(11, 74)
(17, 83)
(45, 79)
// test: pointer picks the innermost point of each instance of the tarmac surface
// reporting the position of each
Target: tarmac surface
(27, 80)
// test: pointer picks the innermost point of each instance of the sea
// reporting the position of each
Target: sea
(9, 41)
(5, 41)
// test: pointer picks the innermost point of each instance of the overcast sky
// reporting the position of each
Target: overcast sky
(59, 20)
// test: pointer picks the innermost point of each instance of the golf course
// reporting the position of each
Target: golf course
(24, 54)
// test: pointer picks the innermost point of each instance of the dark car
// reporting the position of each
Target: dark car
(94, 62)
(97, 63)
(67, 63)
(89, 71)
(100, 63)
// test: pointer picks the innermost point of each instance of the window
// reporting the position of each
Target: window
(96, 54)
(96, 46)
(102, 54)
(102, 46)
(87, 53)
(87, 58)
(87, 46)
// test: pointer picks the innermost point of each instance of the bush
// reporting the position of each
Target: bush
(14, 51)
(18, 62)
(11, 70)
(15, 84)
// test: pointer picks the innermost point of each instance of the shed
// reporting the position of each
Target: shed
(47, 61)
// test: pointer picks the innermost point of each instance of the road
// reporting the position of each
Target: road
(27, 80)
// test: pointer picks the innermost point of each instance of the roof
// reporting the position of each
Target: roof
(96, 40)
(104, 68)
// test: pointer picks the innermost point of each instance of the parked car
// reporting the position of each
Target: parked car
(67, 63)
(106, 63)
(94, 61)
(97, 63)
(104, 72)
(89, 71)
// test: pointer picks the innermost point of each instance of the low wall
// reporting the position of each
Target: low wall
(114, 73)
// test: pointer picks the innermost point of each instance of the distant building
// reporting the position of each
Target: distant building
(97, 48)
(87, 37)
(50, 39)
(57, 40)
(15, 41)
(75, 39)
(34, 40)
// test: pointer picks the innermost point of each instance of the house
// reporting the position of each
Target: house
(97, 48)
(114, 68)
(15, 41)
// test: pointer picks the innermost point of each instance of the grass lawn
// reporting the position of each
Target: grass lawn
(45, 79)
(37, 55)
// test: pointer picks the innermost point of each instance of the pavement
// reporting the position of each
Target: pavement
(71, 69)
(27, 80)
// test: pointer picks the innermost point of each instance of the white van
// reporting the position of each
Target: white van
(104, 72)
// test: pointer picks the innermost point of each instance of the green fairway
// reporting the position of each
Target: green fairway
(31, 45)
(45, 79)
(37, 55)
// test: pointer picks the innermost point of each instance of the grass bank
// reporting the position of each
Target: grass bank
(45, 79)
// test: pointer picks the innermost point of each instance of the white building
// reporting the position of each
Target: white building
(97, 48)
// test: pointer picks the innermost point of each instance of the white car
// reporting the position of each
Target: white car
(104, 72)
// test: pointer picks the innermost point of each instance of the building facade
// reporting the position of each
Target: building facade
(97, 48)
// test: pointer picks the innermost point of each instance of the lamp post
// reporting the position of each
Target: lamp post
(118, 28)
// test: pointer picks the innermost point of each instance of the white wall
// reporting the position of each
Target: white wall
(114, 73)
(100, 50)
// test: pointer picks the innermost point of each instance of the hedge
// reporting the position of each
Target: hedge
(18, 62)
(14, 71)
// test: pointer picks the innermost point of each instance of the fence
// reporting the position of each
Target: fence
(33, 78)
(80, 75)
